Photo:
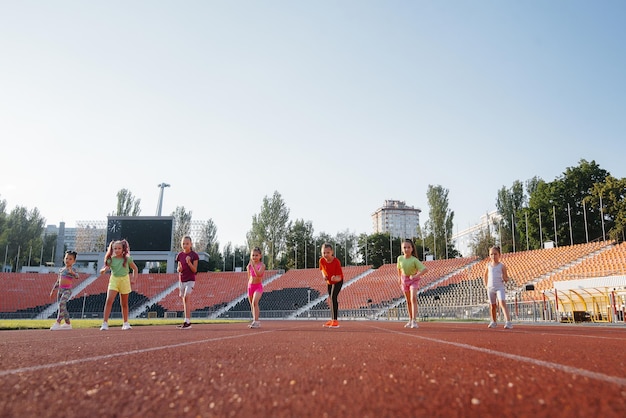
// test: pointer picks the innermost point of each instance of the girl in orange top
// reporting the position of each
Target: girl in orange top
(332, 273)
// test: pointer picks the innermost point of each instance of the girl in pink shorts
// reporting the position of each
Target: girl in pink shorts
(410, 271)
(256, 270)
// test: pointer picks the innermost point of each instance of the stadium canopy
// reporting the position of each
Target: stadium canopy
(599, 296)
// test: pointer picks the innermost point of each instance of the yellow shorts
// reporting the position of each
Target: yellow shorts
(120, 284)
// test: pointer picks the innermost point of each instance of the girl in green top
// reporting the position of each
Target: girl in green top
(118, 260)
(410, 271)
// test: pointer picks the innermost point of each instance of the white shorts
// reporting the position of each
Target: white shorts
(185, 288)
(496, 294)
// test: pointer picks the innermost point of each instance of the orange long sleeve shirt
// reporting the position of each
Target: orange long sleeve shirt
(331, 269)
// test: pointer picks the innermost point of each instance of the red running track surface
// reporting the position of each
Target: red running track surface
(300, 369)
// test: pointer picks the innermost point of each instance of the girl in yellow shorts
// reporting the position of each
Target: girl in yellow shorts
(118, 260)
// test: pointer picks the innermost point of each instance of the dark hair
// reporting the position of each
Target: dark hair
(497, 248)
(72, 253)
(327, 245)
(413, 250)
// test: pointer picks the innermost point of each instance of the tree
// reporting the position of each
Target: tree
(381, 249)
(208, 243)
(235, 257)
(299, 245)
(440, 223)
(345, 249)
(509, 202)
(482, 242)
(269, 229)
(127, 204)
(573, 189)
(22, 232)
(3, 214)
(613, 192)
(182, 226)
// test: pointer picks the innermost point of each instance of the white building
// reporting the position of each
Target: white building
(396, 218)
(464, 239)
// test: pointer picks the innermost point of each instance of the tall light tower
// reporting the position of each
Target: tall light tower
(160, 202)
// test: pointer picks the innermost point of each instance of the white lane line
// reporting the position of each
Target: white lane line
(548, 364)
(556, 333)
(124, 353)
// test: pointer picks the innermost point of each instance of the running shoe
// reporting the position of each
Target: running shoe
(414, 324)
(104, 327)
(409, 324)
(255, 324)
(492, 324)
(334, 324)
(508, 325)
(184, 325)
(56, 326)
(126, 326)
(66, 326)
(328, 324)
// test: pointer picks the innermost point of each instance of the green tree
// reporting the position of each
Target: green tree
(269, 229)
(482, 242)
(299, 245)
(346, 250)
(509, 204)
(551, 200)
(3, 214)
(127, 204)
(22, 232)
(208, 243)
(381, 249)
(440, 223)
(613, 192)
(182, 226)
(48, 246)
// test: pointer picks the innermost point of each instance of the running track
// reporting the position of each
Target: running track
(299, 369)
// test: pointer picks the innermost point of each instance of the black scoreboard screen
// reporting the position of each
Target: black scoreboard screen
(143, 233)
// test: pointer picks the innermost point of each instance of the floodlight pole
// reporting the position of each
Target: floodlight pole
(160, 202)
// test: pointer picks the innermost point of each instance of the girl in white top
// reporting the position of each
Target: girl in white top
(495, 277)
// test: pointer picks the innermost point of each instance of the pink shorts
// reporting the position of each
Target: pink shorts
(254, 288)
(408, 283)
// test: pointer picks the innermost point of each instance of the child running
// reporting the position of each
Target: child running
(333, 274)
(64, 284)
(495, 277)
(117, 260)
(410, 271)
(187, 268)
(256, 270)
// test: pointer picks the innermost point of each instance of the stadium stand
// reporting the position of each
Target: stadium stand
(291, 290)
(448, 284)
(28, 293)
(212, 291)
(609, 260)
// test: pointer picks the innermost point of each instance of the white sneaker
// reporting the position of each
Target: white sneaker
(56, 326)
(66, 326)
(255, 324)
(104, 327)
(414, 325)
(508, 325)
(492, 324)
(126, 326)
(409, 324)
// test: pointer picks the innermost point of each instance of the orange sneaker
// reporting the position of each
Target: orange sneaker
(334, 324)
(328, 324)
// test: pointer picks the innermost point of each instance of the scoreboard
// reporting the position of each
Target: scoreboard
(143, 233)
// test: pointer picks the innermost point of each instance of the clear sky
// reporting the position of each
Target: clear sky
(337, 105)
